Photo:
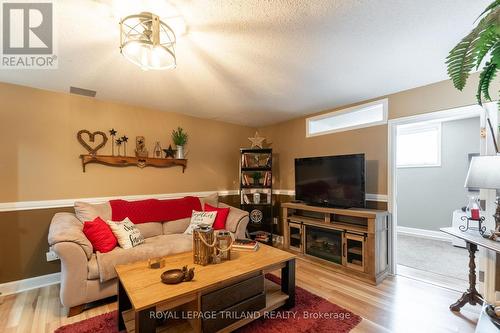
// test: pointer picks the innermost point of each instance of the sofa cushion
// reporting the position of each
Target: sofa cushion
(100, 235)
(176, 227)
(88, 212)
(150, 229)
(153, 247)
(93, 268)
(154, 210)
(212, 200)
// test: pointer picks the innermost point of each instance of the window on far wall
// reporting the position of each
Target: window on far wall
(418, 146)
(370, 114)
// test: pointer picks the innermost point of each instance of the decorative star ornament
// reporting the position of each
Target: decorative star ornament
(124, 138)
(112, 132)
(169, 152)
(257, 141)
(118, 142)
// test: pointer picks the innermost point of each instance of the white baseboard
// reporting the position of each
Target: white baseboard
(14, 287)
(429, 234)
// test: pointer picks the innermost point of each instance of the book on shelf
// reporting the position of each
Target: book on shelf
(245, 180)
(246, 199)
(268, 160)
(245, 245)
(267, 179)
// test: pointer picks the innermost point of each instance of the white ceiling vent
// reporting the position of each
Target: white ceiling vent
(83, 92)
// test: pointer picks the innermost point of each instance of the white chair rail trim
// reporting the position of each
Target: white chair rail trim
(47, 204)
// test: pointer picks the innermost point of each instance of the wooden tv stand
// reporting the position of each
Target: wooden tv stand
(352, 241)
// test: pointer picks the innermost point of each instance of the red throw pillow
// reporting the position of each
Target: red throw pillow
(220, 219)
(100, 235)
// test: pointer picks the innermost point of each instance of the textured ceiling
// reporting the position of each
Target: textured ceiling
(258, 62)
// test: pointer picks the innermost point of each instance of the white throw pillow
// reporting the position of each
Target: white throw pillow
(126, 233)
(198, 218)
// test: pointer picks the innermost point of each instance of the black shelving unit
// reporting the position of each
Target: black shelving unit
(256, 190)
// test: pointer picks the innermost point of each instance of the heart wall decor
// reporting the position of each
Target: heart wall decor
(91, 139)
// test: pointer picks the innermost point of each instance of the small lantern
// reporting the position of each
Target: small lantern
(223, 245)
(203, 240)
(473, 216)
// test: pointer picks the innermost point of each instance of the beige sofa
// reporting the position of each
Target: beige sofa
(87, 276)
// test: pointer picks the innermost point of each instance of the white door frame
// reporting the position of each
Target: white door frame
(465, 112)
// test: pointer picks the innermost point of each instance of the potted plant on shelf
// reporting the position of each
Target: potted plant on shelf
(180, 139)
(256, 178)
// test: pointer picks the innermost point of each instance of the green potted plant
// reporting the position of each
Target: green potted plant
(180, 139)
(256, 177)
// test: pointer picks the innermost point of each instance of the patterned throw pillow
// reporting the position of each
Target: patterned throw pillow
(126, 233)
(198, 218)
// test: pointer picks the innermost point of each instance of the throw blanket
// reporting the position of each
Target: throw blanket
(154, 210)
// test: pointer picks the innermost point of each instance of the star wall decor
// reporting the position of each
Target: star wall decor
(257, 141)
(169, 152)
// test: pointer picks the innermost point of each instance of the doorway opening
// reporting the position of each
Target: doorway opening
(429, 156)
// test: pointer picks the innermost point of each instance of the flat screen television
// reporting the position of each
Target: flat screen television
(335, 181)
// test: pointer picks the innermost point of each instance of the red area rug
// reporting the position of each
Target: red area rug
(310, 314)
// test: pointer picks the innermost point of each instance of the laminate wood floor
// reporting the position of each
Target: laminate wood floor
(399, 304)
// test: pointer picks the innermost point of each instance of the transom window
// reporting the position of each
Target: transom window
(418, 146)
(370, 114)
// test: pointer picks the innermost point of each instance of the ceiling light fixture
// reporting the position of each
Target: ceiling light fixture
(147, 42)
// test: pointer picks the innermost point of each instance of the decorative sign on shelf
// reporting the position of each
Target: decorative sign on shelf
(140, 147)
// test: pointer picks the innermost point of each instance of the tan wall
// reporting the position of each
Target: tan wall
(40, 156)
(40, 151)
(39, 161)
(290, 142)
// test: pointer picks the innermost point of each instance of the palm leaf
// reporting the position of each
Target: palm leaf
(487, 41)
(463, 57)
(485, 78)
(495, 54)
(492, 6)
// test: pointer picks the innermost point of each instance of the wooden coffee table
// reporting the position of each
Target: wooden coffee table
(206, 302)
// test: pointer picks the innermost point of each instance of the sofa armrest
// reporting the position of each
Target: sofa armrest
(74, 266)
(65, 227)
(237, 220)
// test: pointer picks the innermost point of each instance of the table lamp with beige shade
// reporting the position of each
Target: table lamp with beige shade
(484, 173)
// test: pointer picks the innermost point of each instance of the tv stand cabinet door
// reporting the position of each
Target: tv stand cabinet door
(355, 251)
(296, 237)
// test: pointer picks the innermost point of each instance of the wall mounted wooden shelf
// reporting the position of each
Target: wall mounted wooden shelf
(141, 162)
